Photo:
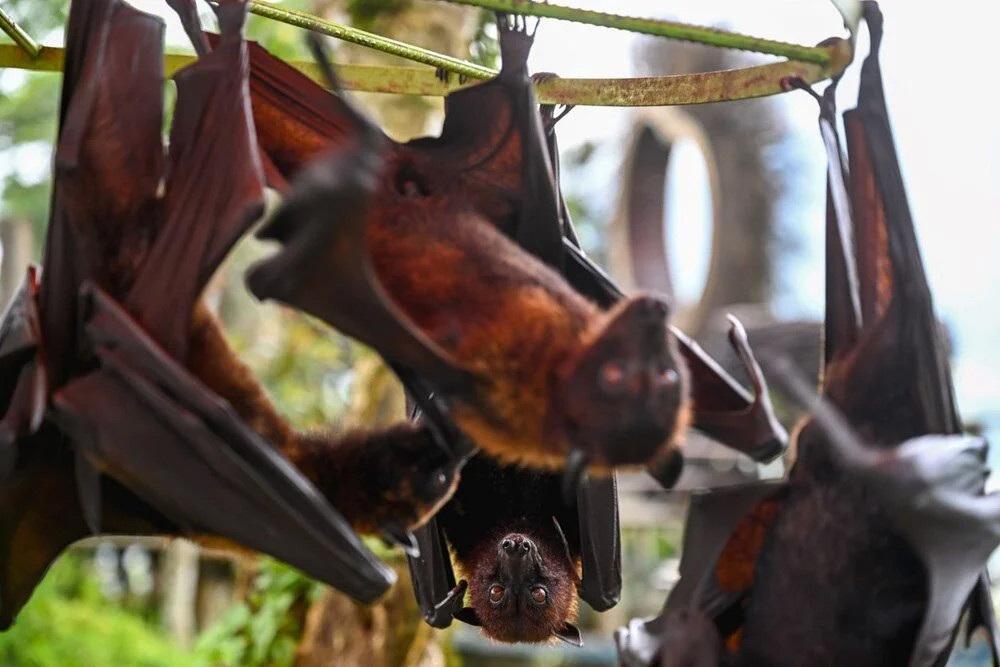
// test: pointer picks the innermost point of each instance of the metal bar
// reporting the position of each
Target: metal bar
(17, 33)
(735, 84)
(370, 40)
(658, 28)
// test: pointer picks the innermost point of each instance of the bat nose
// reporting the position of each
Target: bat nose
(517, 545)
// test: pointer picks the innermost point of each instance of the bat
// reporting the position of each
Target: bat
(876, 546)
(520, 549)
(115, 378)
(297, 120)
(559, 539)
(523, 393)
(525, 554)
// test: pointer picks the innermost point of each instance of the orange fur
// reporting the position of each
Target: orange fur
(498, 312)
(372, 478)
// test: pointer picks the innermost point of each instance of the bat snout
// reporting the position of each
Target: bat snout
(517, 546)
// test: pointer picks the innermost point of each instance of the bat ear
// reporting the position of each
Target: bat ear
(570, 634)
(468, 615)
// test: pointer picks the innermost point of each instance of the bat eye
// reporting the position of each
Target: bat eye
(496, 593)
(612, 377)
(539, 595)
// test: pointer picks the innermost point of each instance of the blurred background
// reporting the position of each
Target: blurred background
(734, 193)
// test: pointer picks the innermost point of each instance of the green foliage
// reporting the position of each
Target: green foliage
(69, 623)
(283, 40)
(27, 128)
(264, 630)
(364, 12)
(485, 47)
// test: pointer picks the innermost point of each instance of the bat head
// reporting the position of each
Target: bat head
(621, 397)
(523, 590)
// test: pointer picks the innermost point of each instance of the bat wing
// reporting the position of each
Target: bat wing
(296, 119)
(179, 447)
(186, 452)
(894, 294)
(324, 267)
(494, 144)
(214, 186)
(884, 340)
(600, 542)
(712, 529)
(722, 408)
(842, 320)
(439, 598)
(23, 378)
(108, 162)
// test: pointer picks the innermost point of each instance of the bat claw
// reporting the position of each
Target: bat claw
(393, 535)
(88, 484)
(773, 447)
(454, 600)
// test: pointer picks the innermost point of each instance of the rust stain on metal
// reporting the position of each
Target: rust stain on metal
(749, 82)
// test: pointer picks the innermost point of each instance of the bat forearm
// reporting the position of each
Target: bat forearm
(215, 363)
(374, 478)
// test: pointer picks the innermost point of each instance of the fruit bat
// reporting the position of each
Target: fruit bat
(492, 131)
(520, 358)
(114, 380)
(521, 549)
(875, 547)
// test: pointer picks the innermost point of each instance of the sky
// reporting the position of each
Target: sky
(943, 114)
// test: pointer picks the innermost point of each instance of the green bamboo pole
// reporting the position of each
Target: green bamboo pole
(20, 37)
(370, 40)
(644, 91)
(658, 28)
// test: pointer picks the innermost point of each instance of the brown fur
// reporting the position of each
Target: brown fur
(436, 234)
(508, 318)
(373, 478)
(493, 502)
(516, 621)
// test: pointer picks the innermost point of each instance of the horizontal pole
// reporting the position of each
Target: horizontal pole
(370, 40)
(17, 33)
(659, 28)
(736, 84)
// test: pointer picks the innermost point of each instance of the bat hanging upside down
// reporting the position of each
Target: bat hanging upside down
(530, 369)
(111, 371)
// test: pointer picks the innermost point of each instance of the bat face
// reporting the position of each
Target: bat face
(522, 592)
(624, 395)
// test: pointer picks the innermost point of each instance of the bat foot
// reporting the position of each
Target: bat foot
(515, 41)
(395, 536)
